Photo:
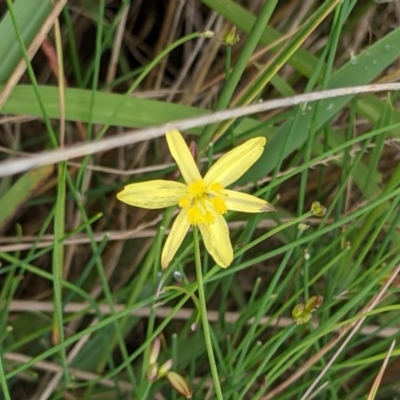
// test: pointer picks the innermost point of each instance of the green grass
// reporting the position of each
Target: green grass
(83, 296)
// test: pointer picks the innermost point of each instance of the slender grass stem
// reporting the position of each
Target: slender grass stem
(204, 319)
(3, 380)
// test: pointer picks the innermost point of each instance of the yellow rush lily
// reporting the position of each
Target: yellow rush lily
(203, 201)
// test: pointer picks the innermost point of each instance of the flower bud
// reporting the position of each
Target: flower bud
(152, 373)
(231, 37)
(179, 383)
(313, 303)
(297, 310)
(303, 227)
(208, 34)
(154, 350)
(299, 315)
(317, 209)
(165, 368)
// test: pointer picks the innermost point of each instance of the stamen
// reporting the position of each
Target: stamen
(219, 205)
(217, 187)
(203, 203)
(184, 202)
(197, 188)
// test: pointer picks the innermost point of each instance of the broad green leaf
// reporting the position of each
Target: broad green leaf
(14, 199)
(108, 108)
(30, 16)
(360, 71)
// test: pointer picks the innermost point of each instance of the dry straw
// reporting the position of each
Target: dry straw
(11, 167)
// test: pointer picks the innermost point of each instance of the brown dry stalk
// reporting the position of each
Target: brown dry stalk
(10, 244)
(11, 167)
(182, 314)
(48, 366)
(378, 379)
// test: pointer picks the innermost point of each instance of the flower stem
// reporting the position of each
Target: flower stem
(204, 319)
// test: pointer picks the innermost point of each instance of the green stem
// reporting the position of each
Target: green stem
(159, 57)
(228, 55)
(274, 348)
(3, 380)
(203, 309)
(58, 265)
(240, 66)
(144, 74)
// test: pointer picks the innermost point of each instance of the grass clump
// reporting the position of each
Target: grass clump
(307, 305)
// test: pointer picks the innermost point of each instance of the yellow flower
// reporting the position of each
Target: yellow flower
(202, 201)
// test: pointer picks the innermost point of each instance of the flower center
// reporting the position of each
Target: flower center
(203, 202)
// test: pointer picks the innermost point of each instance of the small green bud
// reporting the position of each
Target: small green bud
(303, 227)
(300, 315)
(208, 34)
(317, 209)
(298, 311)
(231, 37)
(303, 319)
(313, 303)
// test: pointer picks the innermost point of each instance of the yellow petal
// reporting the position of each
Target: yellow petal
(230, 167)
(217, 242)
(182, 156)
(175, 238)
(237, 201)
(153, 194)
